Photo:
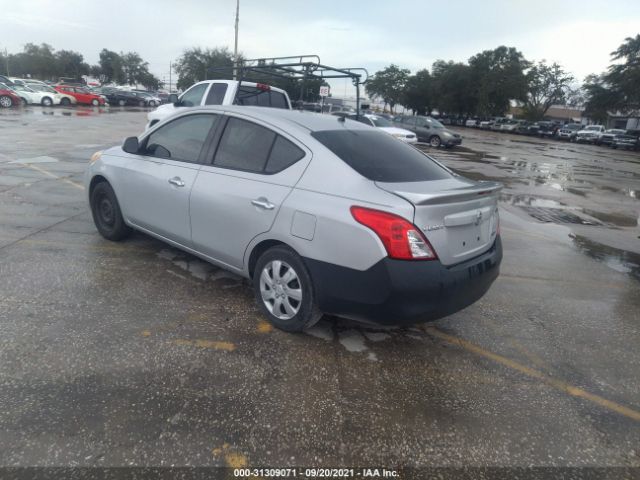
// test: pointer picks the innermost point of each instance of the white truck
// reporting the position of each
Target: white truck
(222, 92)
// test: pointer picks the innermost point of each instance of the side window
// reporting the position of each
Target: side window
(216, 94)
(193, 96)
(421, 122)
(244, 146)
(283, 155)
(365, 120)
(181, 139)
(278, 100)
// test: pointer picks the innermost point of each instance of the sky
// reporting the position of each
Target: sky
(579, 35)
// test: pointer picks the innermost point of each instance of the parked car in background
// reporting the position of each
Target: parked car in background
(8, 98)
(428, 130)
(5, 80)
(486, 124)
(497, 123)
(33, 97)
(222, 92)
(424, 241)
(150, 100)
(510, 126)
(386, 126)
(523, 127)
(122, 98)
(630, 140)
(546, 128)
(607, 136)
(82, 95)
(472, 122)
(589, 134)
(65, 99)
(569, 131)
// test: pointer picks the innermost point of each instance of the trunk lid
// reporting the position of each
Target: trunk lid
(458, 216)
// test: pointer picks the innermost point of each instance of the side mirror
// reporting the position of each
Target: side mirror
(131, 145)
(173, 98)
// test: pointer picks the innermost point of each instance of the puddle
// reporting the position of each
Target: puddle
(618, 260)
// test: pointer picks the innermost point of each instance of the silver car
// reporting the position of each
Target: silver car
(323, 215)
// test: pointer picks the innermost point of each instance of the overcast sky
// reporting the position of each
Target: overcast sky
(369, 33)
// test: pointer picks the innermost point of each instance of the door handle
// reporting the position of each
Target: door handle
(177, 181)
(263, 203)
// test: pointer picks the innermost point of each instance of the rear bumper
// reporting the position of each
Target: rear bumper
(397, 292)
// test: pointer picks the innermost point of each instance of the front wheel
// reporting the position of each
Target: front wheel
(107, 214)
(284, 290)
(435, 141)
(95, 102)
(6, 102)
(46, 102)
(122, 103)
(65, 102)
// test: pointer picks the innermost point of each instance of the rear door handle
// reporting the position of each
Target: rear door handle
(263, 203)
(177, 181)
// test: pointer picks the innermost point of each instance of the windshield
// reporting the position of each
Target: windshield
(435, 123)
(594, 127)
(381, 122)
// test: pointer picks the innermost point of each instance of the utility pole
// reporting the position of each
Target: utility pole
(235, 47)
(6, 57)
(169, 76)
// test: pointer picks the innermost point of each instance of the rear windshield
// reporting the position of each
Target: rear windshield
(262, 98)
(380, 157)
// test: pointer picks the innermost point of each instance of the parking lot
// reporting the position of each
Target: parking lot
(135, 353)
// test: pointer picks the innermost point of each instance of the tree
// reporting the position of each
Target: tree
(111, 67)
(624, 77)
(388, 84)
(547, 85)
(418, 93)
(499, 77)
(69, 63)
(197, 64)
(600, 98)
(453, 86)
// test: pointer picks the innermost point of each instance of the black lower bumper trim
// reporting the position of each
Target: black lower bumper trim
(397, 292)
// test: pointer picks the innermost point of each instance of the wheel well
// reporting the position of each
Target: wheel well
(258, 250)
(95, 181)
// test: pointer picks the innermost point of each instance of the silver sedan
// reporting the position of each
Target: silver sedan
(322, 215)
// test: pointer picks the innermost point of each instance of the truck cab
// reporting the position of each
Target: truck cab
(222, 92)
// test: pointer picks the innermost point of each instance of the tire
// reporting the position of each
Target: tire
(46, 102)
(95, 102)
(65, 102)
(435, 141)
(294, 300)
(6, 102)
(122, 103)
(24, 102)
(152, 103)
(106, 213)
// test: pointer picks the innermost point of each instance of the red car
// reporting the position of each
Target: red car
(8, 98)
(82, 95)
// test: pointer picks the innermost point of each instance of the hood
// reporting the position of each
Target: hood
(396, 131)
(162, 112)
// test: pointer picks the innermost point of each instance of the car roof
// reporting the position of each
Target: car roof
(285, 119)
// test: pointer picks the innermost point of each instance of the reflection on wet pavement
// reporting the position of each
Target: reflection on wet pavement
(619, 260)
(591, 189)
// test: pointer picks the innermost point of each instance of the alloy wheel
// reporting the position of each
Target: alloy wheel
(280, 289)
(6, 102)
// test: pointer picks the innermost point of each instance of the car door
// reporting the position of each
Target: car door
(154, 185)
(237, 196)
(422, 129)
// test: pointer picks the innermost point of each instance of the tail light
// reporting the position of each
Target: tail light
(401, 239)
(263, 87)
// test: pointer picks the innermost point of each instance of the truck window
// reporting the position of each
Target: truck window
(193, 96)
(216, 94)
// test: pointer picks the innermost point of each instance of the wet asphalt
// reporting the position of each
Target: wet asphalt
(133, 353)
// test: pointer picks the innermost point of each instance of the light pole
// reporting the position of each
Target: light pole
(169, 76)
(6, 57)
(235, 47)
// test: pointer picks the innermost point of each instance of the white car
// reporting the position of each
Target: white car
(590, 134)
(386, 126)
(222, 92)
(65, 99)
(33, 97)
(472, 122)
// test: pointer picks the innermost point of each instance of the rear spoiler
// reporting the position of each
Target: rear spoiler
(472, 192)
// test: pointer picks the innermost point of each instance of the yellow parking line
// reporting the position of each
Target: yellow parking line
(553, 382)
(52, 175)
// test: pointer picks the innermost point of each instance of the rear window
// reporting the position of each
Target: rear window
(380, 157)
(261, 98)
